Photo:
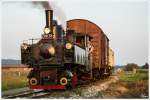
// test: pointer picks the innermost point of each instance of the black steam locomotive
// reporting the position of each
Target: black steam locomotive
(59, 59)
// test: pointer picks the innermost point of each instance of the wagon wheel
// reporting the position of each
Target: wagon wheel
(96, 74)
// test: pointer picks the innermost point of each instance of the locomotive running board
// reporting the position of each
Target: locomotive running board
(48, 87)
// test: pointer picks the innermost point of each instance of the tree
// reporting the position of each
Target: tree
(131, 66)
(146, 66)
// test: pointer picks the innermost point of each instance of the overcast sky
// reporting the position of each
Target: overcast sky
(125, 24)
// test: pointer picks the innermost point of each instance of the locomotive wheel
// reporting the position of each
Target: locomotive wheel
(33, 81)
(63, 81)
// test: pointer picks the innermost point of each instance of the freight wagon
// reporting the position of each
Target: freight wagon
(99, 41)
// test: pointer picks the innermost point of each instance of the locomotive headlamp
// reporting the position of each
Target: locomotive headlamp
(51, 50)
(68, 45)
(46, 30)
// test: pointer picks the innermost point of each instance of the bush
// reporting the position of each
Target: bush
(146, 66)
(131, 66)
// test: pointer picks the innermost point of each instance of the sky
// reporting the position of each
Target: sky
(124, 22)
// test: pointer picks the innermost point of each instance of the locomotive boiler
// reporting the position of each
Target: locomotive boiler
(59, 59)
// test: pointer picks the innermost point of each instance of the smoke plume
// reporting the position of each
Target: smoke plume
(44, 4)
(58, 12)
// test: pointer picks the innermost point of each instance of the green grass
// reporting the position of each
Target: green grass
(141, 74)
(137, 84)
(12, 80)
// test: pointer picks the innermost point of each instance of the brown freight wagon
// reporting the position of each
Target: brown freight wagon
(111, 58)
(99, 41)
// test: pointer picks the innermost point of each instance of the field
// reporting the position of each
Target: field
(14, 77)
(142, 74)
(136, 83)
(129, 85)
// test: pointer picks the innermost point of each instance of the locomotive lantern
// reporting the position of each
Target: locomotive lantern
(47, 30)
(68, 45)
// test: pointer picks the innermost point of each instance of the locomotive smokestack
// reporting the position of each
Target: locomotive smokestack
(49, 19)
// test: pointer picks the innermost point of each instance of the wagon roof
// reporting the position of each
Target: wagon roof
(84, 26)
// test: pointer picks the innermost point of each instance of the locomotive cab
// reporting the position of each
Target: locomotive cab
(82, 56)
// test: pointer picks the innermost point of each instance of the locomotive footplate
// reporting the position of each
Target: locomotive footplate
(48, 87)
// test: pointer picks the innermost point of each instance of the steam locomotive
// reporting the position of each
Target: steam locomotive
(60, 59)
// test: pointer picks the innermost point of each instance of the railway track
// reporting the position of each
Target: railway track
(24, 94)
(28, 94)
(31, 94)
(39, 95)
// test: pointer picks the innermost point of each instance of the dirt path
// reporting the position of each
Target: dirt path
(91, 90)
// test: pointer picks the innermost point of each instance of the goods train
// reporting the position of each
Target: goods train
(61, 59)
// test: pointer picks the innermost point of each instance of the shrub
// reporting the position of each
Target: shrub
(131, 66)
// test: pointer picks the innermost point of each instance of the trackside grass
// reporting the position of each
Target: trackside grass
(13, 78)
(137, 84)
(141, 74)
